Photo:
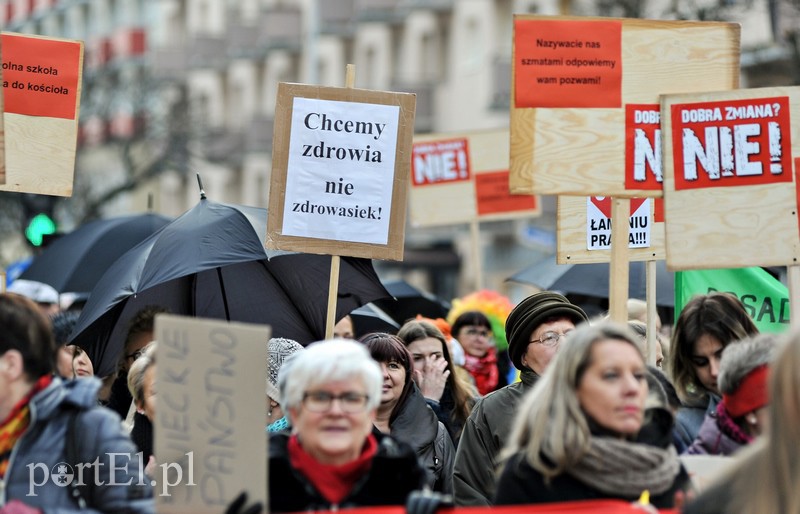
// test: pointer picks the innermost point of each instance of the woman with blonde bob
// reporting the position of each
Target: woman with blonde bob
(584, 431)
(766, 477)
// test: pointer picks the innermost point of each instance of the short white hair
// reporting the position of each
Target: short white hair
(329, 361)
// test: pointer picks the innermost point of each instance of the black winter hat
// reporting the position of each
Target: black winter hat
(532, 312)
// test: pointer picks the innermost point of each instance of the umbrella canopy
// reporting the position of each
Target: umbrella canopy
(593, 279)
(76, 261)
(408, 301)
(211, 262)
(369, 318)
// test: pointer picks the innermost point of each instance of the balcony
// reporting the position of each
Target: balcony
(258, 137)
(242, 38)
(385, 11)
(501, 83)
(169, 63)
(337, 17)
(281, 28)
(425, 114)
(207, 52)
(432, 5)
(223, 145)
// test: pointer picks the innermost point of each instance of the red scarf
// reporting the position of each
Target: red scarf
(484, 371)
(333, 482)
(16, 423)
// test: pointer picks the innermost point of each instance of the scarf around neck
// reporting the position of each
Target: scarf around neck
(484, 371)
(624, 469)
(16, 423)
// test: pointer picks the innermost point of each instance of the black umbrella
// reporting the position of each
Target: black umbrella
(210, 262)
(370, 318)
(408, 301)
(593, 279)
(76, 261)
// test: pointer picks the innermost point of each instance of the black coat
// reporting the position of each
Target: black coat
(394, 473)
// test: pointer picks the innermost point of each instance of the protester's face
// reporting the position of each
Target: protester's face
(64, 361)
(149, 393)
(613, 389)
(344, 328)
(475, 339)
(424, 349)
(81, 363)
(394, 379)
(337, 435)
(133, 350)
(538, 355)
(705, 358)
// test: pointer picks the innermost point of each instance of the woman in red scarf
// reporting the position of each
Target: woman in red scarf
(473, 331)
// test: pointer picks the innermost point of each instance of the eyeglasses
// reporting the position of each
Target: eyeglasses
(478, 333)
(135, 355)
(550, 339)
(321, 401)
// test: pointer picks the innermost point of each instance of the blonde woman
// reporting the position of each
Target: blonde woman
(767, 476)
(580, 433)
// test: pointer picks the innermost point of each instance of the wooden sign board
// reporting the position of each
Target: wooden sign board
(2, 137)
(340, 164)
(460, 178)
(584, 230)
(211, 414)
(584, 91)
(42, 93)
(730, 178)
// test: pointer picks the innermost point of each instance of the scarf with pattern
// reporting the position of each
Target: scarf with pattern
(16, 423)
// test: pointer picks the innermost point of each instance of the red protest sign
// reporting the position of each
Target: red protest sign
(492, 195)
(439, 162)
(40, 76)
(643, 146)
(566, 63)
(731, 143)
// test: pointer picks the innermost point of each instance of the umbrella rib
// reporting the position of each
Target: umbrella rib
(224, 296)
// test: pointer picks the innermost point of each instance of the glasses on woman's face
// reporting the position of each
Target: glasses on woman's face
(549, 339)
(322, 401)
(478, 332)
(131, 357)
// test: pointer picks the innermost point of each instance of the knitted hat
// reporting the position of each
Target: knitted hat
(532, 312)
(280, 350)
(752, 393)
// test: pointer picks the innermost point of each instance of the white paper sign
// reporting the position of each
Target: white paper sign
(598, 223)
(340, 170)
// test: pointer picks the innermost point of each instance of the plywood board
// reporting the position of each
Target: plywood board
(42, 90)
(574, 230)
(2, 137)
(463, 177)
(211, 413)
(575, 140)
(341, 158)
(730, 178)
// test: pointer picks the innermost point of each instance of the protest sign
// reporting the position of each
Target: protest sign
(765, 298)
(704, 469)
(584, 99)
(2, 138)
(460, 178)
(41, 89)
(341, 158)
(209, 426)
(730, 186)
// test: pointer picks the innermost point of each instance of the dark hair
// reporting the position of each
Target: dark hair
(673, 401)
(24, 328)
(718, 315)
(143, 321)
(63, 323)
(385, 347)
(470, 318)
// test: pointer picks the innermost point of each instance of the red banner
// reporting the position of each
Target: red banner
(439, 162)
(642, 146)
(492, 195)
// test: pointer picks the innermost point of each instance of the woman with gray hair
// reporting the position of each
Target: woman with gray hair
(580, 433)
(741, 416)
(332, 459)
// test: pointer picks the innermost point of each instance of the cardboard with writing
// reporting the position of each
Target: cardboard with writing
(42, 90)
(463, 177)
(2, 137)
(341, 158)
(209, 426)
(730, 178)
(595, 67)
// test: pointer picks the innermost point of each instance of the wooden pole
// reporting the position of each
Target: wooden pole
(618, 268)
(793, 277)
(333, 284)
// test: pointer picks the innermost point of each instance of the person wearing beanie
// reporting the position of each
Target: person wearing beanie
(280, 351)
(535, 329)
(741, 415)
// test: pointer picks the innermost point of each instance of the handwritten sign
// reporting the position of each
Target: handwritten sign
(209, 428)
(41, 88)
(568, 63)
(463, 177)
(730, 178)
(336, 178)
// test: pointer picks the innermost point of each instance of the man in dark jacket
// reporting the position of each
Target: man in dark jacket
(53, 432)
(534, 330)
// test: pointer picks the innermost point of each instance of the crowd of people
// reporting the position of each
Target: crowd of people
(381, 418)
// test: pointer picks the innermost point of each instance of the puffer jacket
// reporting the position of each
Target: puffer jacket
(417, 425)
(39, 456)
(484, 435)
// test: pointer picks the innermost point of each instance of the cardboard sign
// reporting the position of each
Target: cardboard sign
(581, 147)
(42, 89)
(461, 178)
(341, 158)
(728, 177)
(704, 469)
(584, 230)
(2, 138)
(209, 428)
